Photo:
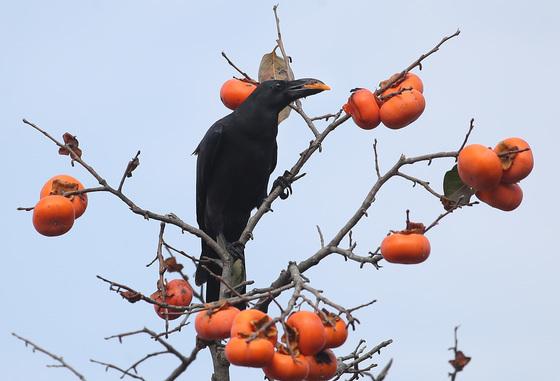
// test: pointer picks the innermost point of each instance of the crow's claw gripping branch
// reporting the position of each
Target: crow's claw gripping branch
(236, 250)
(285, 182)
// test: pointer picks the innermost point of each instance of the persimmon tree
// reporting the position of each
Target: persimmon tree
(407, 246)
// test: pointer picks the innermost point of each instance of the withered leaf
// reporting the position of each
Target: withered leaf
(274, 67)
(172, 266)
(460, 361)
(414, 228)
(71, 142)
(131, 296)
(132, 165)
(394, 80)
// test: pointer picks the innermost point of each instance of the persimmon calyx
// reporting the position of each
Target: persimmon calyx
(413, 228)
(290, 336)
(329, 318)
(507, 154)
(61, 187)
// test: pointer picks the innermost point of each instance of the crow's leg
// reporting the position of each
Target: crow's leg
(236, 250)
(285, 183)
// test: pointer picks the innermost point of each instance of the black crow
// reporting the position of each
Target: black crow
(235, 160)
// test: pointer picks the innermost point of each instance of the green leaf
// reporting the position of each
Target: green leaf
(456, 192)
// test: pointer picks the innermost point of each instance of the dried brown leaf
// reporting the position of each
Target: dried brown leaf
(71, 142)
(274, 67)
(131, 296)
(132, 165)
(460, 361)
(172, 266)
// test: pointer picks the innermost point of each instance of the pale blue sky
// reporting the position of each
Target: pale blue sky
(145, 74)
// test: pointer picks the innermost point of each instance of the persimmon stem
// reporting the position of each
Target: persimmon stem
(513, 152)
(471, 127)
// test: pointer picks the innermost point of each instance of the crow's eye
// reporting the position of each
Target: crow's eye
(277, 85)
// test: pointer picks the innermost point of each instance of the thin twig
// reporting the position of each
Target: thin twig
(247, 77)
(417, 63)
(326, 117)
(309, 121)
(376, 157)
(424, 184)
(381, 376)
(321, 238)
(130, 167)
(59, 359)
(185, 360)
(280, 43)
(161, 272)
(120, 370)
(458, 205)
(471, 127)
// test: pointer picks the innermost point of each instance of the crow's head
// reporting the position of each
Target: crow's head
(277, 94)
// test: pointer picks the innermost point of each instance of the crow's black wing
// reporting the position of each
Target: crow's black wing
(207, 151)
(274, 159)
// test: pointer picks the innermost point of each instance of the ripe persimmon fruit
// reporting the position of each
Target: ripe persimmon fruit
(284, 367)
(322, 366)
(405, 248)
(215, 324)
(178, 292)
(255, 353)
(479, 167)
(235, 91)
(60, 184)
(401, 110)
(505, 197)
(247, 322)
(362, 106)
(335, 330)
(408, 246)
(308, 330)
(516, 166)
(53, 215)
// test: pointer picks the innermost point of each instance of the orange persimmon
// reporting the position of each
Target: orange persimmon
(60, 184)
(516, 166)
(53, 215)
(235, 91)
(479, 167)
(505, 197)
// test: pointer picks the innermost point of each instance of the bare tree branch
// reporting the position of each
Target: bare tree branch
(61, 362)
(120, 370)
(417, 63)
(185, 361)
(247, 77)
(171, 219)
